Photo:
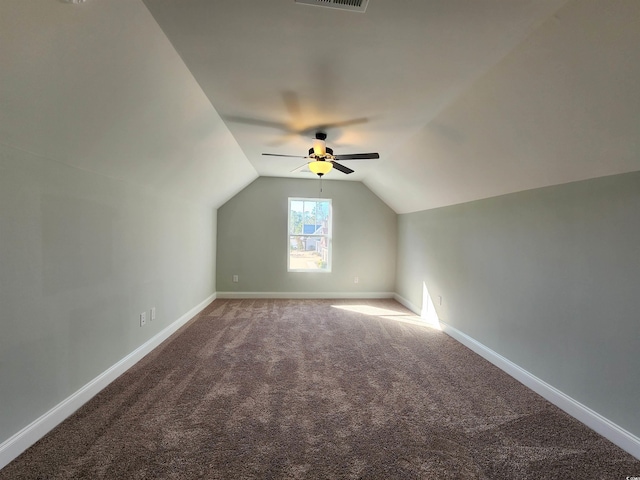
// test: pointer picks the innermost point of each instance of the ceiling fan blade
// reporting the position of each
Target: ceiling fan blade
(292, 103)
(323, 127)
(301, 168)
(357, 156)
(346, 123)
(281, 155)
(284, 138)
(342, 168)
(259, 122)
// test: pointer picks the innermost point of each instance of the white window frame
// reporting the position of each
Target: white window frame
(328, 236)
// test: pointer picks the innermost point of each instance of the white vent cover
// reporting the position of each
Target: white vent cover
(351, 5)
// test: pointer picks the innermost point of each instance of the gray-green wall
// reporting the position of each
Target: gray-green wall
(548, 278)
(81, 256)
(252, 239)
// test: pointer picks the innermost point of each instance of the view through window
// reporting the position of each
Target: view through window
(309, 235)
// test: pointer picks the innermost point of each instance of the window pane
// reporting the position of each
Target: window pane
(309, 216)
(295, 217)
(322, 210)
(306, 253)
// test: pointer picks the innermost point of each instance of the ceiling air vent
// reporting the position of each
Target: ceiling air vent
(351, 5)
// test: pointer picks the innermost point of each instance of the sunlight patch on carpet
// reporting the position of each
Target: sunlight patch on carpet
(386, 313)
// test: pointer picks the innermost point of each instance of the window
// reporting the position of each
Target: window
(309, 236)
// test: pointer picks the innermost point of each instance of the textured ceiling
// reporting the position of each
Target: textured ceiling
(463, 99)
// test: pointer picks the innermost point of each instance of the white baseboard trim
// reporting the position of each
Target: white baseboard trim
(20, 441)
(403, 301)
(618, 435)
(328, 295)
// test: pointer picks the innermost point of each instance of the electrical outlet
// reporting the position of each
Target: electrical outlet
(356, 279)
(235, 279)
(143, 319)
(152, 317)
(440, 299)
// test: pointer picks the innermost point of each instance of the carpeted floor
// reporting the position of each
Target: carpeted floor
(318, 389)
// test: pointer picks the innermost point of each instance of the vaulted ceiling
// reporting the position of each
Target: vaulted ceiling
(463, 99)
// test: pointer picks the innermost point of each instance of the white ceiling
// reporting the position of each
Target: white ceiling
(463, 99)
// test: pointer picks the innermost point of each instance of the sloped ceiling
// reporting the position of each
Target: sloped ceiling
(463, 99)
(98, 86)
(562, 106)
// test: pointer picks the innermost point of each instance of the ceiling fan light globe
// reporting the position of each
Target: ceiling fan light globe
(320, 167)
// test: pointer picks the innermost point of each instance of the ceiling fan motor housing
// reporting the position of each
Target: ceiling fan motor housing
(313, 152)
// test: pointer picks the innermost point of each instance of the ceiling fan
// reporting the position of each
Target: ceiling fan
(323, 159)
(297, 124)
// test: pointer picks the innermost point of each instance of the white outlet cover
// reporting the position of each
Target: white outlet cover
(153, 313)
(143, 319)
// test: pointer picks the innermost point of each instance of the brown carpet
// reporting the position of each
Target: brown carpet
(301, 389)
